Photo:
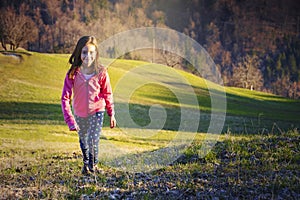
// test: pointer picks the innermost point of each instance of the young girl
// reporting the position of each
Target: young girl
(89, 83)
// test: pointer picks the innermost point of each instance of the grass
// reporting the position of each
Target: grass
(255, 157)
(36, 83)
(256, 166)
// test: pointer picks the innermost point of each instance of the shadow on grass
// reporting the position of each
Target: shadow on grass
(50, 113)
(30, 111)
(274, 108)
(33, 112)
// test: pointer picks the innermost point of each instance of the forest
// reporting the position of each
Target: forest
(255, 44)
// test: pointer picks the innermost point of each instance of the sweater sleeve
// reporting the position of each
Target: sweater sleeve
(107, 93)
(66, 102)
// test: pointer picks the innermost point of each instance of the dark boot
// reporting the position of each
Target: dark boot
(85, 170)
(93, 168)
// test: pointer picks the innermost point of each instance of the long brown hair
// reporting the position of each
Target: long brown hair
(75, 59)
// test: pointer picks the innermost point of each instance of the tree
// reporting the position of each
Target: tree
(214, 46)
(246, 73)
(16, 28)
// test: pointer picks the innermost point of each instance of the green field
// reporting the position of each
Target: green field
(255, 156)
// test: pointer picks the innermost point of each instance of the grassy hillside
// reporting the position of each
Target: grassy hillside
(40, 158)
(30, 91)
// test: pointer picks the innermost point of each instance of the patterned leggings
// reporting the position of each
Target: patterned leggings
(89, 133)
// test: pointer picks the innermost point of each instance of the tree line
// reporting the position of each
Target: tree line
(255, 44)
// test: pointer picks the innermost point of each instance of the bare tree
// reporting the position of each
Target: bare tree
(170, 59)
(246, 73)
(16, 28)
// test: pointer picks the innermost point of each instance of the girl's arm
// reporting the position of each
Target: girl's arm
(107, 93)
(66, 104)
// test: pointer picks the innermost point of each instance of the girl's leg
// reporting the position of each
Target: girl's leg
(95, 123)
(83, 137)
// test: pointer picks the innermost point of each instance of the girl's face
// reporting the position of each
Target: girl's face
(88, 55)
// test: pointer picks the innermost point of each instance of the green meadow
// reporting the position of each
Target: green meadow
(254, 156)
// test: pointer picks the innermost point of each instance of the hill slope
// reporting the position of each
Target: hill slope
(30, 91)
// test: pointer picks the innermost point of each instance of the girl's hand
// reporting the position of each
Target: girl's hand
(113, 122)
(74, 128)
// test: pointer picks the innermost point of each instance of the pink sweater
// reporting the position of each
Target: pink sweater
(90, 96)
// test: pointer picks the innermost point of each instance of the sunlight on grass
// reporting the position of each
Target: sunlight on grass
(37, 132)
(54, 139)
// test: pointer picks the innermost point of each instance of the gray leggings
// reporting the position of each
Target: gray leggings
(89, 133)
